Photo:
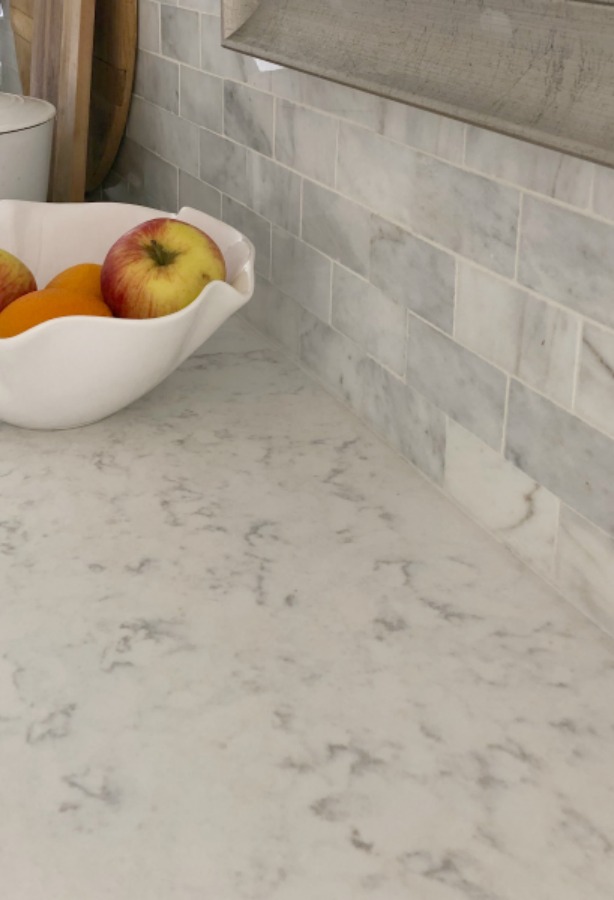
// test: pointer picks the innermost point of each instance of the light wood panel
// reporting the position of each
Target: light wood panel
(541, 70)
(54, 40)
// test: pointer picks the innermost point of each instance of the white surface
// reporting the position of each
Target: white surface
(17, 113)
(26, 158)
(75, 370)
(247, 653)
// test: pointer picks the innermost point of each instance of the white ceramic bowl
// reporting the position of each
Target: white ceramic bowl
(76, 370)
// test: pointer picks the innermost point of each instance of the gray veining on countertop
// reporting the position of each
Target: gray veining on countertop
(248, 653)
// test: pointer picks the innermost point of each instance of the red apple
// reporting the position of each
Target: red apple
(15, 279)
(159, 267)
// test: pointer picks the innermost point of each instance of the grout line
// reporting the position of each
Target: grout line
(274, 131)
(330, 299)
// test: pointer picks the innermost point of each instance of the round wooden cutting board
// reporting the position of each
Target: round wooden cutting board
(115, 41)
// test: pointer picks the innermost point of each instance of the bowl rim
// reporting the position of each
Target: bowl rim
(152, 322)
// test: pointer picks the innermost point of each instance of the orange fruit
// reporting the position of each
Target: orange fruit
(83, 278)
(51, 303)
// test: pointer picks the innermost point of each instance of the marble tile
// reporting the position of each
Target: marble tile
(248, 117)
(603, 192)
(405, 419)
(595, 391)
(461, 384)
(216, 60)
(306, 141)
(517, 332)
(369, 318)
(464, 212)
(223, 164)
(302, 272)
(504, 500)
(585, 568)
(157, 80)
(257, 229)
(149, 26)
(144, 178)
(195, 193)
(329, 97)
(332, 357)
(568, 257)
(336, 226)
(180, 34)
(274, 313)
(412, 272)
(212, 7)
(167, 135)
(564, 454)
(274, 192)
(424, 130)
(202, 99)
(541, 170)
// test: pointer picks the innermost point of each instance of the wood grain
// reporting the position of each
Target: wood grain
(114, 54)
(540, 70)
(54, 40)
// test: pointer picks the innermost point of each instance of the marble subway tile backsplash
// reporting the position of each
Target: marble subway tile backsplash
(453, 286)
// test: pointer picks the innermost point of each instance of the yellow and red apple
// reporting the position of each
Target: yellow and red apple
(158, 268)
(15, 279)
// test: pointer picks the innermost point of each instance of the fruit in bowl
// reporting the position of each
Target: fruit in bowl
(15, 279)
(158, 268)
(76, 369)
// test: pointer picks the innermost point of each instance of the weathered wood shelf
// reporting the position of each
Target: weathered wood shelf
(540, 70)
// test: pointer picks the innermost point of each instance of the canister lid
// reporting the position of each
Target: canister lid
(17, 113)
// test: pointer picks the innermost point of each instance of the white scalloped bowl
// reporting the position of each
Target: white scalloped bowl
(76, 370)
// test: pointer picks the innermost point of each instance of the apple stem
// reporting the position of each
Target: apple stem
(160, 255)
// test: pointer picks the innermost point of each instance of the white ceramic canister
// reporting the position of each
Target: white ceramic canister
(26, 134)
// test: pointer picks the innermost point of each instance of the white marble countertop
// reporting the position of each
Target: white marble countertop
(247, 653)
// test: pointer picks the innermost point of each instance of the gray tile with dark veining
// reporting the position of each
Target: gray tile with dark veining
(560, 451)
(595, 391)
(529, 166)
(457, 381)
(306, 140)
(273, 191)
(412, 272)
(520, 333)
(568, 257)
(336, 226)
(464, 212)
(144, 178)
(223, 164)
(423, 130)
(157, 79)
(180, 34)
(371, 319)
(248, 117)
(202, 98)
(199, 195)
(167, 135)
(149, 26)
(302, 272)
